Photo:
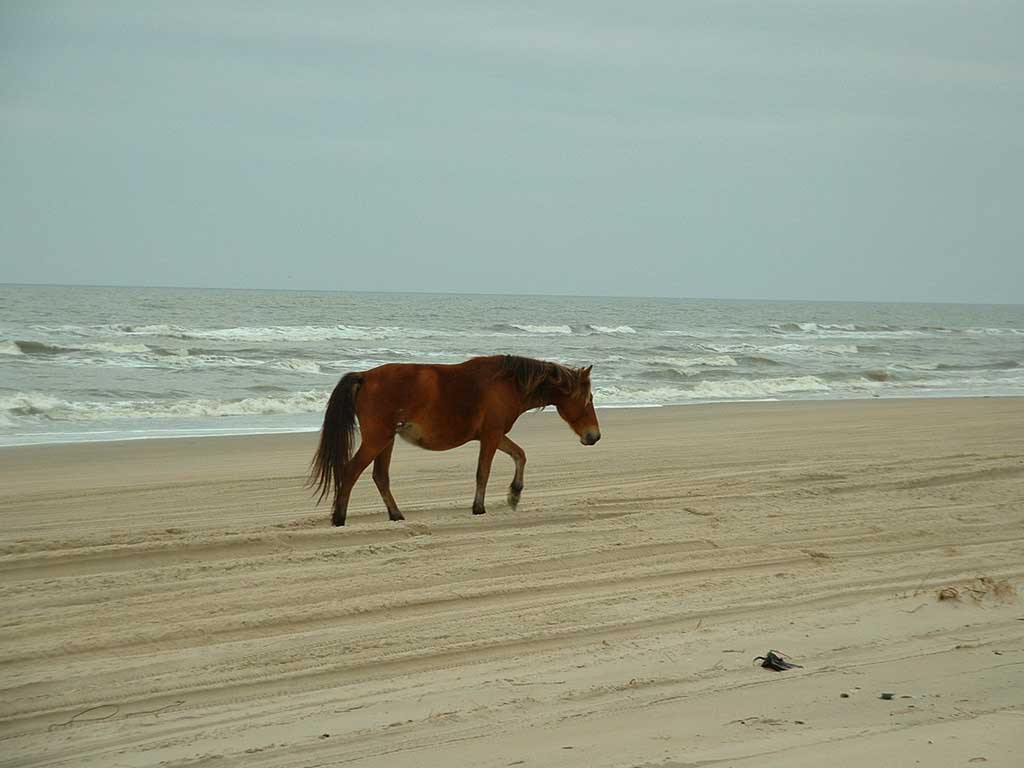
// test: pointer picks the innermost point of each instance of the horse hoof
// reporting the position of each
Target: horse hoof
(479, 511)
(396, 518)
(337, 522)
(513, 499)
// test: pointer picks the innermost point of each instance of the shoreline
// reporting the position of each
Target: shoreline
(84, 438)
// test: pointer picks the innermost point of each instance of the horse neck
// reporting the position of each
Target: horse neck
(543, 397)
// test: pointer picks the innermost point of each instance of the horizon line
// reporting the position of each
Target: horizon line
(532, 295)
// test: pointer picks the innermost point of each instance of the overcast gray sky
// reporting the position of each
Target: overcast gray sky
(839, 149)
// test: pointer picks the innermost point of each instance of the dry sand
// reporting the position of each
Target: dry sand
(180, 602)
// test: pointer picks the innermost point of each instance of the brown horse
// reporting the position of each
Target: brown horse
(440, 407)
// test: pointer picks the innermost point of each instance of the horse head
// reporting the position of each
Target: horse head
(576, 407)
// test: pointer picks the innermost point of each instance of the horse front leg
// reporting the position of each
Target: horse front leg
(519, 457)
(488, 445)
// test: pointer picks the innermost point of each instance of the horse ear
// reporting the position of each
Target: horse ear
(585, 372)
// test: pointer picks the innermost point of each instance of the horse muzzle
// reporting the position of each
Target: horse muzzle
(590, 437)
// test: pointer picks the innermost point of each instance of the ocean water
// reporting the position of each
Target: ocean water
(80, 363)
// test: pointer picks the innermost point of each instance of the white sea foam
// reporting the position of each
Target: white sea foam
(544, 329)
(805, 349)
(115, 349)
(811, 349)
(175, 362)
(818, 349)
(29, 404)
(142, 356)
(316, 333)
(33, 347)
(291, 333)
(839, 330)
(40, 406)
(611, 395)
(124, 329)
(734, 389)
(995, 331)
(706, 361)
(623, 329)
(249, 334)
(827, 327)
(758, 388)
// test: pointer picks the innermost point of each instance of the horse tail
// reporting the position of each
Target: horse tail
(335, 437)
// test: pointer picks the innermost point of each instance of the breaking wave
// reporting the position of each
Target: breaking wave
(998, 365)
(995, 331)
(759, 388)
(542, 329)
(42, 348)
(40, 406)
(868, 331)
(731, 389)
(882, 330)
(249, 334)
(709, 361)
(622, 329)
(814, 349)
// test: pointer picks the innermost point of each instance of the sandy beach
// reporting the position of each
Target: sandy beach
(182, 602)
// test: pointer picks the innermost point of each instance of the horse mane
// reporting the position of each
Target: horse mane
(531, 375)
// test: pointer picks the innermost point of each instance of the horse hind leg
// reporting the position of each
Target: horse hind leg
(382, 477)
(371, 446)
(518, 455)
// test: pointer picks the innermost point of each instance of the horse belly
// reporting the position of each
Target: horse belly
(415, 434)
(410, 432)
